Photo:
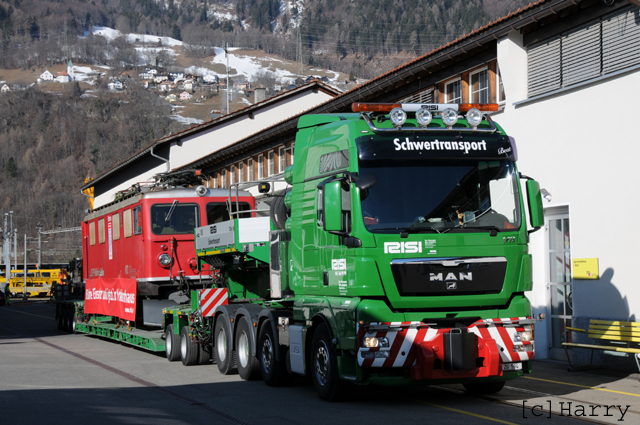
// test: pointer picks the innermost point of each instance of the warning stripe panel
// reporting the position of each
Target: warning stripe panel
(212, 298)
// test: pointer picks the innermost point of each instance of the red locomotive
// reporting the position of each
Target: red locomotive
(139, 251)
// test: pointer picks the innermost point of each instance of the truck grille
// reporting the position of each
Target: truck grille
(449, 276)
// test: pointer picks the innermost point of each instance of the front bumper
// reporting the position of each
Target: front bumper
(486, 348)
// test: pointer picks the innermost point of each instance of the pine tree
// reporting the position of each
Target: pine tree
(11, 169)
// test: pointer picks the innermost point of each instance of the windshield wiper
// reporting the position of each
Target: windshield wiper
(493, 230)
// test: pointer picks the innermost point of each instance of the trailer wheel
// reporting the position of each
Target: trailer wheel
(68, 318)
(188, 348)
(60, 320)
(484, 387)
(224, 351)
(204, 353)
(324, 366)
(274, 372)
(172, 342)
(245, 349)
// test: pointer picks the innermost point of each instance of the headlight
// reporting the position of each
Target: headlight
(474, 117)
(423, 117)
(449, 117)
(525, 336)
(373, 342)
(398, 117)
(164, 260)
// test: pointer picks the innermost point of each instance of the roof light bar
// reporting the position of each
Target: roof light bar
(414, 107)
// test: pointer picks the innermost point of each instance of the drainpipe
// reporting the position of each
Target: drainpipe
(166, 161)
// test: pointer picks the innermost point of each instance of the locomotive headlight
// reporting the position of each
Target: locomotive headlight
(373, 342)
(398, 117)
(423, 117)
(474, 117)
(164, 260)
(449, 117)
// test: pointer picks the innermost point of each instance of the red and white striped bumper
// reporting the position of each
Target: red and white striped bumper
(210, 299)
(422, 348)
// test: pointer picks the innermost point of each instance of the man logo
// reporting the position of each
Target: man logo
(402, 247)
(450, 276)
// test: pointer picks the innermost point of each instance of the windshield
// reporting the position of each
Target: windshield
(441, 196)
(182, 219)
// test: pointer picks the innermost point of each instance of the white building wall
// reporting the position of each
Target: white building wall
(581, 146)
(221, 136)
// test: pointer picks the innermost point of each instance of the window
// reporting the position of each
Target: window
(218, 211)
(597, 48)
(137, 220)
(174, 219)
(452, 92)
(126, 219)
(272, 163)
(501, 96)
(232, 174)
(92, 233)
(260, 167)
(479, 87)
(115, 225)
(282, 161)
(250, 169)
(241, 171)
(101, 238)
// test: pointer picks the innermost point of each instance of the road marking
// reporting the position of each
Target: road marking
(489, 418)
(582, 386)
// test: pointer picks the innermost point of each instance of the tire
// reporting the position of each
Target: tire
(68, 319)
(324, 366)
(273, 372)
(484, 387)
(172, 344)
(246, 351)
(224, 347)
(188, 348)
(61, 320)
(204, 353)
(278, 211)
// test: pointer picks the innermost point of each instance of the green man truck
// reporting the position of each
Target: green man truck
(397, 254)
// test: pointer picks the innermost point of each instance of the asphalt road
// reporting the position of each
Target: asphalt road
(47, 376)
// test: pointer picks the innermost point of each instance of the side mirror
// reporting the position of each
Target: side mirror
(364, 184)
(534, 198)
(333, 207)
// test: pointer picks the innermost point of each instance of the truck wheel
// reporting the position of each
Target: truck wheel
(188, 348)
(223, 347)
(324, 365)
(172, 342)
(60, 320)
(204, 353)
(484, 387)
(245, 349)
(274, 372)
(68, 318)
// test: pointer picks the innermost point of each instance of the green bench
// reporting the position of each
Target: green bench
(620, 335)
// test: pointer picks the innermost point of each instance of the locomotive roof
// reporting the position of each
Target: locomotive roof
(180, 193)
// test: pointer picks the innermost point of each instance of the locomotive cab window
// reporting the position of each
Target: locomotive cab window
(217, 211)
(174, 219)
(137, 220)
(126, 218)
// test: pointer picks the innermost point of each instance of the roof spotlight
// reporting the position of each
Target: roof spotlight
(449, 117)
(423, 117)
(474, 117)
(398, 117)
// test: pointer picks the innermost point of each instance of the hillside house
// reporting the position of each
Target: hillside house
(185, 96)
(188, 85)
(5, 88)
(210, 79)
(45, 76)
(172, 98)
(115, 85)
(62, 77)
